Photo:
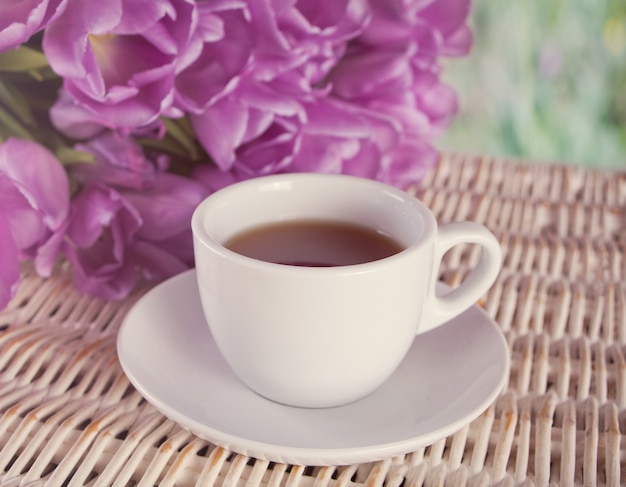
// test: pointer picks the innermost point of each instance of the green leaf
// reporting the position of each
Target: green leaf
(180, 131)
(165, 146)
(10, 126)
(15, 102)
(67, 155)
(23, 59)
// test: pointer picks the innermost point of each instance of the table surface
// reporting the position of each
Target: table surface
(69, 416)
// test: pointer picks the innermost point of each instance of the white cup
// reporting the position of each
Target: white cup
(326, 336)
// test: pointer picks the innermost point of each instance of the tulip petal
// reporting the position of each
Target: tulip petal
(166, 207)
(220, 129)
(39, 177)
(9, 264)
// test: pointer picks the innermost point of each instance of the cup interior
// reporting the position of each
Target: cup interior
(336, 198)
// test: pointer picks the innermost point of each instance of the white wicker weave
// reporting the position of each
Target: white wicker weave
(69, 417)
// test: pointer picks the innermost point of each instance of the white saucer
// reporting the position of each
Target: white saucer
(450, 376)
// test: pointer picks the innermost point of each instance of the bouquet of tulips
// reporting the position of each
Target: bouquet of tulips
(117, 118)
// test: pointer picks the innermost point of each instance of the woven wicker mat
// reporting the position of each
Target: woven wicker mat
(68, 415)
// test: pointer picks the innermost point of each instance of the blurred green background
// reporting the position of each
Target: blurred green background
(546, 80)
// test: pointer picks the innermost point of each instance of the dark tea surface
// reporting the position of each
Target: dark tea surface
(314, 243)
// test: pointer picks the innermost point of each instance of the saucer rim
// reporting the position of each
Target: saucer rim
(302, 455)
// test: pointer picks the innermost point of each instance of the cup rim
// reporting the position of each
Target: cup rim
(200, 234)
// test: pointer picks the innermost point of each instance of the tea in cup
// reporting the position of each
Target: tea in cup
(315, 286)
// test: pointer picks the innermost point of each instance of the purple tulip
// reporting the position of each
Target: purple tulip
(20, 20)
(397, 86)
(164, 246)
(227, 48)
(448, 19)
(119, 58)
(113, 232)
(307, 37)
(436, 27)
(269, 135)
(255, 116)
(294, 44)
(212, 178)
(75, 120)
(34, 208)
(335, 88)
(408, 162)
(120, 162)
(397, 57)
(9, 262)
(102, 227)
(346, 138)
(345, 86)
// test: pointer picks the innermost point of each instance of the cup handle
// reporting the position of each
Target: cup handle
(440, 309)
